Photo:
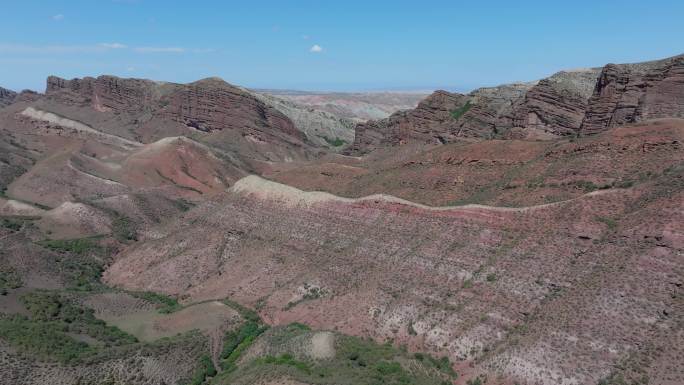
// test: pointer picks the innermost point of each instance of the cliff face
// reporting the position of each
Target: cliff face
(212, 104)
(105, 93)
(556, 104)
(6, 97)
(630, 93)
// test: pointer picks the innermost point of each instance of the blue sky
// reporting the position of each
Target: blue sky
(330, 45)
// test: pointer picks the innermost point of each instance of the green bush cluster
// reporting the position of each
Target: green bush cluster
(78, 246)
(205, 370)
(47, 340)
(49, 307)
(237, 341)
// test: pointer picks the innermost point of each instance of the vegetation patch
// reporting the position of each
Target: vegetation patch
(357, 362)
(205, 370)
(9, 279)
(610, 222)
(47, 340)
(47, 333)
(285, 359)
(53, 308)
(236, 342)
(336, 142)
(457, 113)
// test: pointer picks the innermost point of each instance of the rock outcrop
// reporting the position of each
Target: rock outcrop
(556, 104)
(442, 117)
(105, 93)
(6, 97)
(431, 122)
(628, 93)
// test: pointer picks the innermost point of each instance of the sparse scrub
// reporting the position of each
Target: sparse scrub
(165, 304)
(124, 229)
(12, 224)
(78, 246)
(609, 222)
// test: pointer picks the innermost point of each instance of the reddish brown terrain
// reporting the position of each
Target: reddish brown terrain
(530, 233)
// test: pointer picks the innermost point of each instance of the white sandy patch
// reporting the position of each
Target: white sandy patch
(323, 345)
(12, 207)
(79, 127)
(292, 196)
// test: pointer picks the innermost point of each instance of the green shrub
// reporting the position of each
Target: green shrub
(337, 142)
(457, 113)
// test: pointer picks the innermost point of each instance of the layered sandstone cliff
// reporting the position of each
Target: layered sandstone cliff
(628, 93)
(556, 104)
(568, 103)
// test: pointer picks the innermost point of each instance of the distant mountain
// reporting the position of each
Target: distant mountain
(356, 106)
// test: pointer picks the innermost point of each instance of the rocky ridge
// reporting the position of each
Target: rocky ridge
(6, 97)
(568, 103)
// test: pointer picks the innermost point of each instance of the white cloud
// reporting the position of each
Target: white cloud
(316, 48)
(113, 45)
(159, 49)
(58, 17)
